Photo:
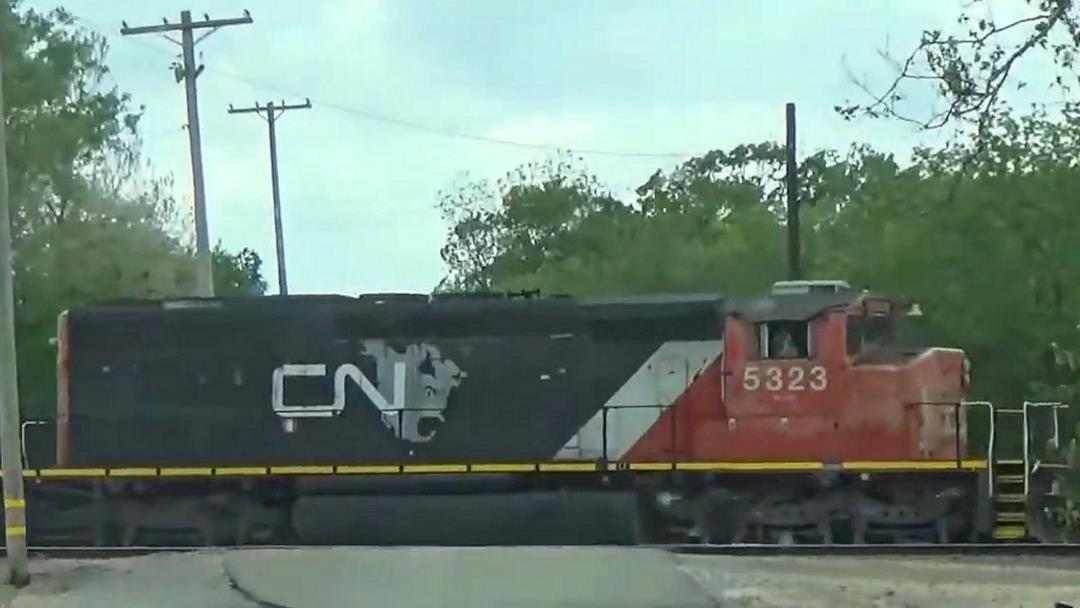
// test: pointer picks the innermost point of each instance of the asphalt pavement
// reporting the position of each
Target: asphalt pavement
(468, 577)
(508, 577)
(537, 577)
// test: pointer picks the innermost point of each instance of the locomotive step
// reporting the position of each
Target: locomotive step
(1009, 532)
(1010, 478)
(1012, 516)
(1010, 498)
(1007, 506)
(1008, 461)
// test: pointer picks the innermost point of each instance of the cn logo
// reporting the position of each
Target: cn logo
(419, 382)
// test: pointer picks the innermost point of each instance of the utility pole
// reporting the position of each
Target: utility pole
(10, 449)
(270, 113)
(188, 72)
(793, 245)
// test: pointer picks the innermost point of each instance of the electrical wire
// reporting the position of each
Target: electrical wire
(394, 121)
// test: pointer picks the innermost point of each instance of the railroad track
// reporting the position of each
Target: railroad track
(1002, 549)
(1005, 550)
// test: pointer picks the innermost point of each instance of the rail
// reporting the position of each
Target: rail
(1065, 550)
(1025, 425)
(602, 444)
(1054, 406)
(22, 439)
(609, 410)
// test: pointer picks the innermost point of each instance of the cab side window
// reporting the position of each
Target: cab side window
(866, 335)
(855, 326)
(784, 340)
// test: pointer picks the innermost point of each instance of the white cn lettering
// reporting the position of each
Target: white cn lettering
(344, 372)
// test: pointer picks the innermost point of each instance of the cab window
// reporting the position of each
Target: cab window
(866, 335)
(872, 332)
(783, 340)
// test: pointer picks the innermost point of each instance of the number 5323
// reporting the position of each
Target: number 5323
(757, 377)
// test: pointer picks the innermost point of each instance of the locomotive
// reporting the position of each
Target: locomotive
(802, 415)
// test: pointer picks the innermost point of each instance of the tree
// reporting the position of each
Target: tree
(715, 224)
(238, 274)
(989, 265)
(502, 231)
(90, 220)
(971, 74)
(710, 224)
(970, 71)
(64, 127)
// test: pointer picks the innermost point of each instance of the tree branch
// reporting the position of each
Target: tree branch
(970, 72)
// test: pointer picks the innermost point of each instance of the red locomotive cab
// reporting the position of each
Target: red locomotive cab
(824, 376)
(904, 399)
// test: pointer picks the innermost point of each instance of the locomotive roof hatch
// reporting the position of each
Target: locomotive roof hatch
(804, 300)
(794, 307)
(781, 288)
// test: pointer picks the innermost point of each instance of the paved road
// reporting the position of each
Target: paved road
(342, 577)
(161, 581)
(469, 578)
(536, 577)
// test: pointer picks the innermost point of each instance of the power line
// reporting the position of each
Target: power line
(400, 122)
(412, 124)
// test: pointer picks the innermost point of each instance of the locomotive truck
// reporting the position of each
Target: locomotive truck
(802, 415)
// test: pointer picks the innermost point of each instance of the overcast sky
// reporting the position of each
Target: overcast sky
(359, 188)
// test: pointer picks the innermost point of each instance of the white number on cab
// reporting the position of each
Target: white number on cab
(772, 378)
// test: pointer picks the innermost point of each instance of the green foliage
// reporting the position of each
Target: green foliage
(89, 221)
(990, 260)
(538, 213)
(238, 274)
(551, 226)
(63, 126)
(980, 234)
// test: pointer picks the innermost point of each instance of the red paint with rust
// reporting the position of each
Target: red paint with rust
(826, 408)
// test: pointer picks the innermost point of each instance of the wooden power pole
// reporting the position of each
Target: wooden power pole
(188, 72)
(10, 449)
(793, 244)
(271, 112)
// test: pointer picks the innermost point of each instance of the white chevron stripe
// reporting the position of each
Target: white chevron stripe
(659, 381)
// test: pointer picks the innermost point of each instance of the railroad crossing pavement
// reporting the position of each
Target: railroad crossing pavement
(475, 578)
(538, 577)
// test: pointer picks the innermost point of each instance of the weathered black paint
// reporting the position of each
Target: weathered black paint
(183, 386)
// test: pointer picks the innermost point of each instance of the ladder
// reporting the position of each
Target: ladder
(1010, 466)
(1008, 471)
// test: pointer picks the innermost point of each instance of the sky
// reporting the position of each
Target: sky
(411, 97)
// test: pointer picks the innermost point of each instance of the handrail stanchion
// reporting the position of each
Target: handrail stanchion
(990, 444)
(956, 433)
(1057, 431)
(674, 431)
(22, 437)
(1027, 440)
(603, 435)
(1054, 406)
(955, 405)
